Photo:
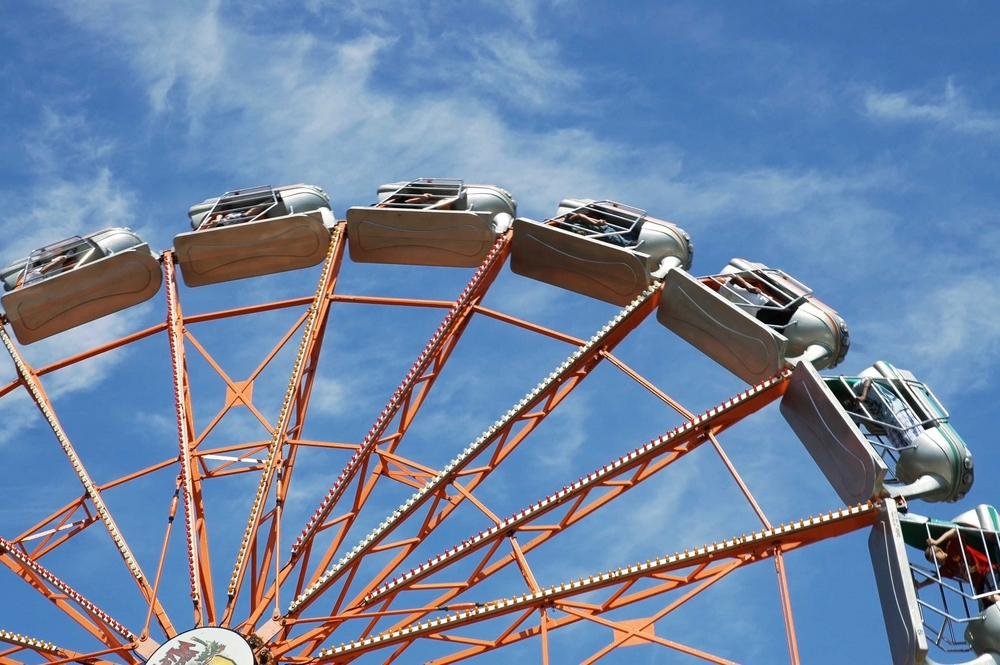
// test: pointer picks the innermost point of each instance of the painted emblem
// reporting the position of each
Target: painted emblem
(204, 646)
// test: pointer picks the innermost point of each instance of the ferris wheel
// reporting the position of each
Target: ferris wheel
(408, 553)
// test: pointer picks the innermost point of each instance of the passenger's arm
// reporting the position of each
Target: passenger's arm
(947, 535)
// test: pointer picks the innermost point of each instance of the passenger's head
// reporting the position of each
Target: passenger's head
(934, 552)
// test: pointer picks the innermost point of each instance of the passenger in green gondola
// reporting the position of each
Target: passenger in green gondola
(888, 407)
(960, 561)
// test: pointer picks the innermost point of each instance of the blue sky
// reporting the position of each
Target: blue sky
(853, 146)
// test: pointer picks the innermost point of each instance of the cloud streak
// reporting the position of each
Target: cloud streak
(72, 192)
(951, 110)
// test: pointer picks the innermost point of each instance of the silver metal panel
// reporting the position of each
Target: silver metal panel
(455, 238)
(725, 333)
(73, 298)
(845, 457)
(903, 623)
(590, 267)
(252, 249)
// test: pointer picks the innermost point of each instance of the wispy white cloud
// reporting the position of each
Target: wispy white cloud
(343, 113)
(951, 109)
(331, 396)
(526, 73)
(950, 333)
(339, 112)
(72, 192)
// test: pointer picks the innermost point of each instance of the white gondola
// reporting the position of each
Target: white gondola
(430, 222)
(602, 249)
(77, 280)
(879, 433)
(753, 320)
(253, 232)
(958, 562)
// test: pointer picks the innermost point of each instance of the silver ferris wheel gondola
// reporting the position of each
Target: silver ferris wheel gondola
(77, 280)
(430, 222)
(602, 249)
(253, 232)
(753, 320)
(881, 433)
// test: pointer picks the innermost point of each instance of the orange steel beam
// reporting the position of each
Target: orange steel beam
(88, 658)
(642, 381)
(786, 603)
(163, 557)
(401, 410)
(522, 564)
(533, 327)
(606, 484)
(137, 474)
(38, 395)
(83, 612)
(715, 443)
(307, 300)
(58, 523)
(701, 563)
(323, 444)
(236, 390)
(104, 348)
(229, 384)
(739, 481)
(311, 340)
(631, 632)
(495, 445)
(50, 652)
(249, 309)
(223, 314)
(401, 302)
(786, 608)
(649, 622)
(543, 626)
(270, 554)
(267, 307)
(195, 527)
(303, 395)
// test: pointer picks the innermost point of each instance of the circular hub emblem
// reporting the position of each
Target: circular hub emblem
(204, 646)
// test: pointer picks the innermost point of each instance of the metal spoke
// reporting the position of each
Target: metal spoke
(199, 569)
(702, 563)
(605, 483)
(90, 617)
(316, 316)
(401, 410)
(494, 445)
(31, 382)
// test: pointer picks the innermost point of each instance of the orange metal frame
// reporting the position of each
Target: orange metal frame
(297, 601)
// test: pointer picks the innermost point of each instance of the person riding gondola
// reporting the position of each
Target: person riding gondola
(586, 225)
(958, 560)
(890, 408)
